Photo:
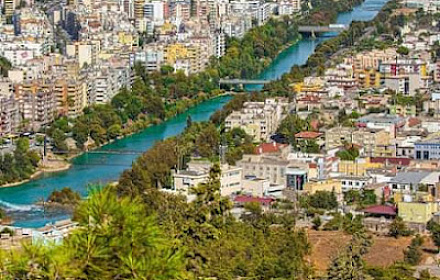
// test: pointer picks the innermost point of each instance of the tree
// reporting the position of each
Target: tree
(316, 222)
(5, 66)
(434, 229)
(117, 240)
(350, 153)
(66, 196)
(114, 131)
(402, 50)
(59, 140)
(349, 265)
(413, 254)
(398, 228)
(322, 200)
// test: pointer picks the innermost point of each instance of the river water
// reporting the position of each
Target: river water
(94, 168)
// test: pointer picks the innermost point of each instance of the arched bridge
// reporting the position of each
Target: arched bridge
(243, 82)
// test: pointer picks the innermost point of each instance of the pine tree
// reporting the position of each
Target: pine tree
(349, 265)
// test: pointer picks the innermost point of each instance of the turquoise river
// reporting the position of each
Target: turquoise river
(92, 168)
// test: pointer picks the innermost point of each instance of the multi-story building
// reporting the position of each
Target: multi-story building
(265, 167)
(36, 103)
(236, 26)
(406, 76)
(82, 52)
(9, 7)
(359, 167)
(9, 115)
(417, 212)
(289, 7)
(337, 136)
(259, 119)
(341, 76)
(70, 96)
(372, 140)
(391, 123)
(427, 149)
(198, 173)
(106, 83)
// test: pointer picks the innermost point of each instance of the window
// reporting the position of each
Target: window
(425, 154)
(418, 155)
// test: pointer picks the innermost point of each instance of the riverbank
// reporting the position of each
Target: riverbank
(97, 168)
(40, 172)
(143, 120)
(75, 154)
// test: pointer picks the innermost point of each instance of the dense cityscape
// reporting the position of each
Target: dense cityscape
(220, 139)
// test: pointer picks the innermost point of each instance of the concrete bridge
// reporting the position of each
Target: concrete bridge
(321, 29)
(243, 82)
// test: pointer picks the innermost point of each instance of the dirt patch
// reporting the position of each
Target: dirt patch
(326, 245)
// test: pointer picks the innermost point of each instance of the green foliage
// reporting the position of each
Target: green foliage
(360, 198)
(19, 165)
(320, 200)
(401, 271)
(153, 168)
(323, 13)
(65, 196)
(398, 228)
(413, 254)
(350, 153)
(434, 229)
(346, 223)
(115, 240)
(7, 230)
(236, 103)
(290, 126)
(217, 244)
(402, 50)
(238, 143)
(59, 140)
(316, 222)
(349, 265)
(247, 57)
(5, 66)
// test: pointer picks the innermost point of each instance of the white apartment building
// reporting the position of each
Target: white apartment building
(235, 26)
(83, 52)
(259, 119)
(198, 173)
(289, 7)
(150, 57)
(271, 168)
(19, 53)
(106, 84)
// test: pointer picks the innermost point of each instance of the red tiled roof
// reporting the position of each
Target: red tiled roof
(413, 122)
(267, 148)
(313, 165)
(261, 200)
(308, 134)
(381, 209)
(391, 160)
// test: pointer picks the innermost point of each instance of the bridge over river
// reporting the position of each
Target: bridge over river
(243, 82)
(322, 29)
